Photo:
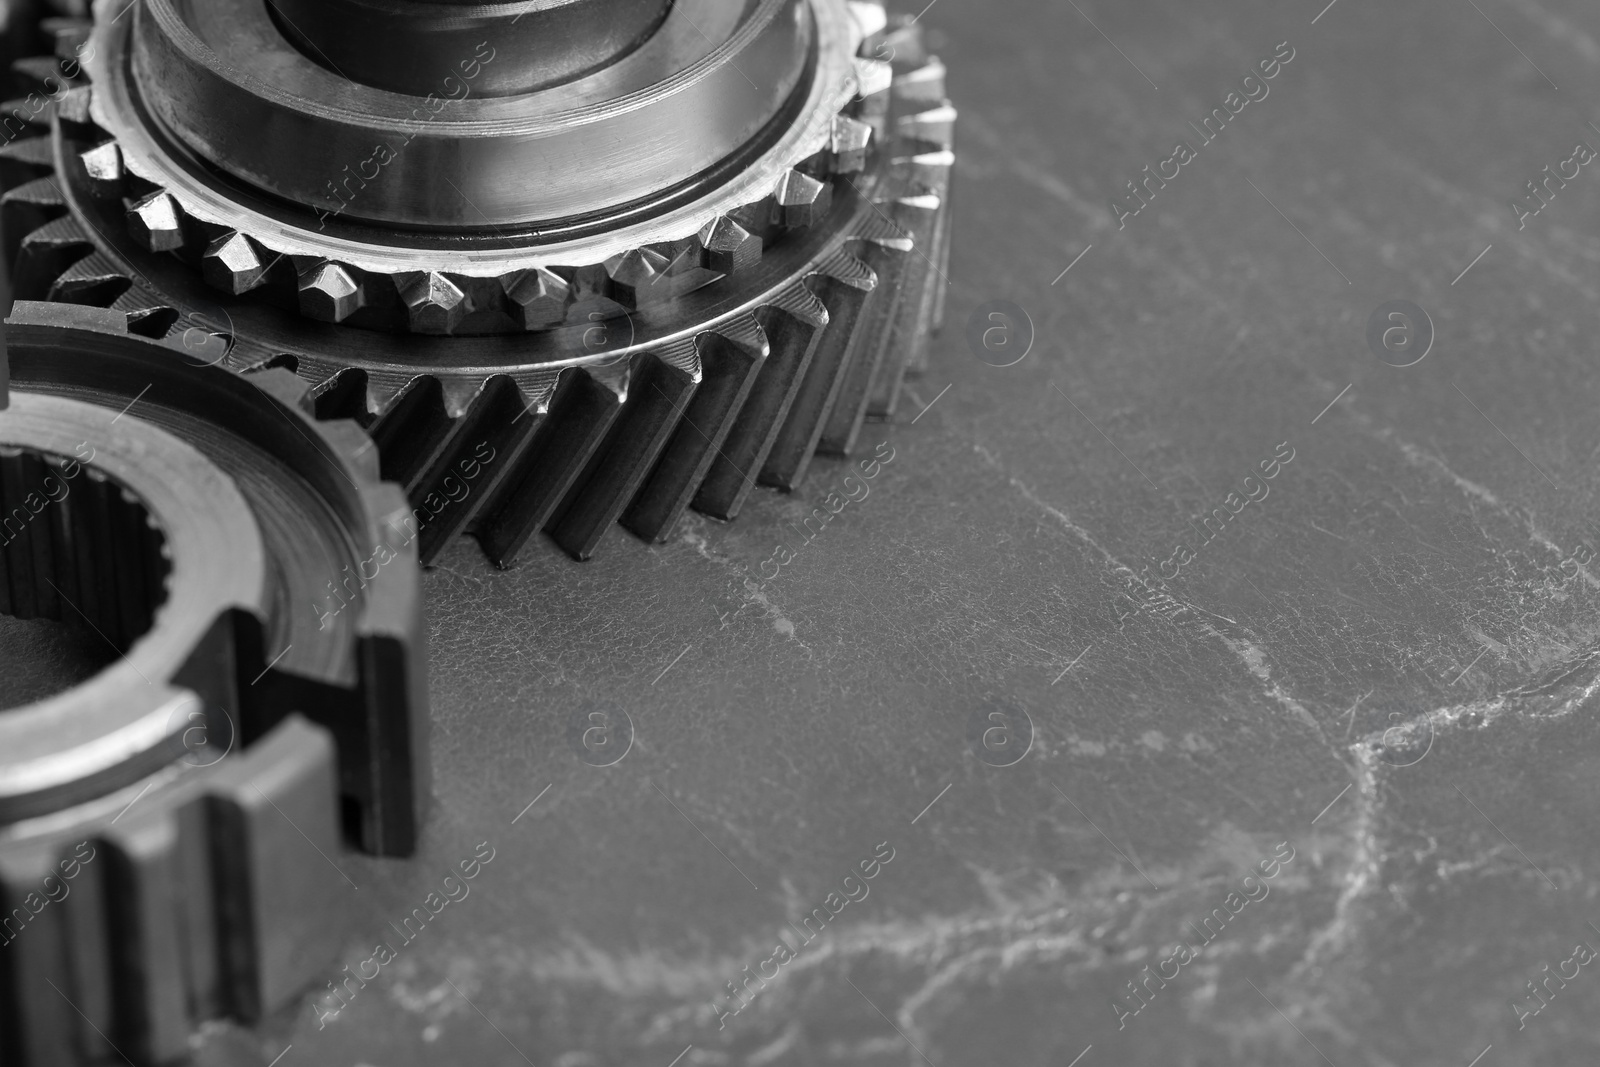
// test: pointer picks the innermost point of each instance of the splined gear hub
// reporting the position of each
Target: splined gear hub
(611, 258)
(161, 823)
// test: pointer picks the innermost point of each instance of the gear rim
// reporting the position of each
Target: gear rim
(626, 262)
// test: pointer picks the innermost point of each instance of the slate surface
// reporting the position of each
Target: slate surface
(1383, 665)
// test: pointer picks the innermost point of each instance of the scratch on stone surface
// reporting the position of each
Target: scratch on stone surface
(1028, 927)
(1048, 183)
(1254, 659)
(1427, 460)
(780, 622)
(1366, 854)
(1031, 922)
(1055, 513)
(1040, 178)
(756, 595)
(701, 544)
(1248, 652)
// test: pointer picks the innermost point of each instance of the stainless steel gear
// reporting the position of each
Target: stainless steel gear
(160, 823)
(707, 285)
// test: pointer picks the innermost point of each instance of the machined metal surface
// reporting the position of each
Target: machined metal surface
(258, 584)
(689, 399)
(522, 268)
(222, 81)
(407, 46)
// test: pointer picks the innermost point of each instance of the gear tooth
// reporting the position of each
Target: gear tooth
(637, 277)
(35, 72)
(272, 801)
(41, 193)
(41, 1032)
(231, 263)
(103, 165)
(802, 200)
(156, 222)
(23, 210)
(590, 282)
(534, 392)
(483, 449)
(585, 403)
(921, 202)
(683, 255)
(94, 281)
(935, 126)
(668, 380)
(929, 170)
(727, 247)
(411, 431)
(351, 443)
(798, 303)
(45, 254)
(341, 393)
(892, 306)
(731, 357)
(844, 285)
(537, 298)
(869, 16)
(760, 218)
(72, 106)
(67, 35)
(434, 303)
(847, 270)
(25, 159)
(614, 377)
(919, 356)
(207, 337)
(460, 394)
(793, 325)
(286, 387)
(328, 293)
(36, 120)
(923, 85)
(912, 327)
(902, 43)
(848, 144)
(746, 334)
(873, 76)
(147, 319)
(58, 234)
(384, 391)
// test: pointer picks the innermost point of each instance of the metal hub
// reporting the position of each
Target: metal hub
(412, 47)
(202, 532)
(222, 81)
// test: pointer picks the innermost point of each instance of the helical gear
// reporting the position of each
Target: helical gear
(737, 376)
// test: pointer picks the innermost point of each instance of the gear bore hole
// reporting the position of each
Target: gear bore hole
(83, 570)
